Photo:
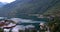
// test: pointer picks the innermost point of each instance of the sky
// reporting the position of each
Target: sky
(6, 1)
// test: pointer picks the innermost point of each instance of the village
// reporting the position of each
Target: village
(26, 25)
(11, 25)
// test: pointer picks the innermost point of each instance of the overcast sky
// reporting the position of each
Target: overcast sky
(6, 1)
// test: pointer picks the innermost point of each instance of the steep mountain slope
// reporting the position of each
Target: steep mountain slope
(55, 10)
(25, 7)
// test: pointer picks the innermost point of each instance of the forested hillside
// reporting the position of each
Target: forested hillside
(22, 8)
(55, 10)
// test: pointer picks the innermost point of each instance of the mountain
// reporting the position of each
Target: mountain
(2, 4)
(23, 8)
(55, 10)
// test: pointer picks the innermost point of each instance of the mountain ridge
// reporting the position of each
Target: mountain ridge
(2, 4)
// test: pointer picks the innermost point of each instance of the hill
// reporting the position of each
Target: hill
(55, 10)
(23, 8)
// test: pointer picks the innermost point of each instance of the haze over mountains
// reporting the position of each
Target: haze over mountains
(2, 4)
(22, 8)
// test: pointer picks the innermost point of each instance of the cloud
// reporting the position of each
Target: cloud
(7, 1)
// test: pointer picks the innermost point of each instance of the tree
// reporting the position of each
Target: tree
(54, 25)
